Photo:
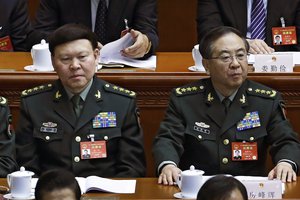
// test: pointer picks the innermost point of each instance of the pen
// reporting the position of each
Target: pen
(126, 25)
(282, 22)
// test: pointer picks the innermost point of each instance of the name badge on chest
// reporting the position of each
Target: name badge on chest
(244, 151)
(93, 149)
(6, 44)
(284, 35)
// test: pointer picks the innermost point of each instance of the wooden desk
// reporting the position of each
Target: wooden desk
(152, 87)
(147, 188)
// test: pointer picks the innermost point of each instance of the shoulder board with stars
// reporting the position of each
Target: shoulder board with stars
(191, 89)
(36, 90)
(119, 90)
(3, 101)
(262, 92)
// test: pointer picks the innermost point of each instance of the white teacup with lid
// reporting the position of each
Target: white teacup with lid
(189, 182)
(41, 57)
(19, 183)
(197, 59)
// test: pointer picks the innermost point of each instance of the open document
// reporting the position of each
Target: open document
(111, 55)
(106, 185)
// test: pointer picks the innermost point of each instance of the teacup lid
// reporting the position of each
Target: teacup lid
(192, 172)
(42, 45)
(22, 172)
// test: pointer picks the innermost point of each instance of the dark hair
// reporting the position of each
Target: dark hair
(56, 179)
(206, 43)
(220, 188)
(71, 32)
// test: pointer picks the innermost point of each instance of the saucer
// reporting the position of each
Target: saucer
(196, 68)
(35, 69)
(180, 196)
(8, 196)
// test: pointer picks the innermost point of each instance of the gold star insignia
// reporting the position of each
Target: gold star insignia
(273, 93)
(189, 89)
(183, 90)
(257, 90)
(121, 89)
(194, 88)
(263, 91)
(115, 87)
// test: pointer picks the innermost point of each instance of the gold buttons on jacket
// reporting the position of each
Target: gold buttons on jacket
(225, 161)
(105, 137)
(78, 139)
(251, 138)
(76, 159)
(226, 142)
(200, 137)
(47, 137)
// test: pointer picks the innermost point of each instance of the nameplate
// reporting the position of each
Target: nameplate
(263, 189)
(274, 63)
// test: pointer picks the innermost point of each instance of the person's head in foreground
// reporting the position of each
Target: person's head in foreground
(74, 55)
(222, 188)
(224, 52)
(57, 185)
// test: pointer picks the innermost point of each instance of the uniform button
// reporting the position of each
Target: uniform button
(251, 138)
(225, 161)
(105, 137)
(76, 159)
(47, 137)
(226, 141)
(78, 139)
(200, 137)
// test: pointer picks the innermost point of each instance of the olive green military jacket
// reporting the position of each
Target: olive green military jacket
(8, 162)
(197, 132)
(48, 135)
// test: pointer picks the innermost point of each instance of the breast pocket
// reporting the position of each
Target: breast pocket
(48, 135)
(251, 135)
(107, 134)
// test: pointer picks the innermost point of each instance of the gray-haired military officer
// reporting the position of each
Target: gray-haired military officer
(200, 130)
(55, 129)
(7, 140)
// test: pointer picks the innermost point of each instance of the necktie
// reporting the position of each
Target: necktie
(100, 24)
(258, 20)
(76, 105)
(226, 102)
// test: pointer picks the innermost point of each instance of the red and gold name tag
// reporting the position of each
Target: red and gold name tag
(244, 151)
(91, 150)
(5, 44)
(284, 35)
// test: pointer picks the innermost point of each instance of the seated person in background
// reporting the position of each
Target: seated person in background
(141, 16)
(14, 25)
(7, 141)
(222, 188)
(214, 13)
(79, 111)
(208, 119)
(57, 185)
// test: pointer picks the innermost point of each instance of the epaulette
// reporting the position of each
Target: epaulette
(262, 92)
(190, 89)
(119, 90)
(3, 101)
(36, 90)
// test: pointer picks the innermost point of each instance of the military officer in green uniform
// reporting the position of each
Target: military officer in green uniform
(200, 130)
(7, 140)
(79, 111)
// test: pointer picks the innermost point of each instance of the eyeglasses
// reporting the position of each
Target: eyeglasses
(229, 59)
